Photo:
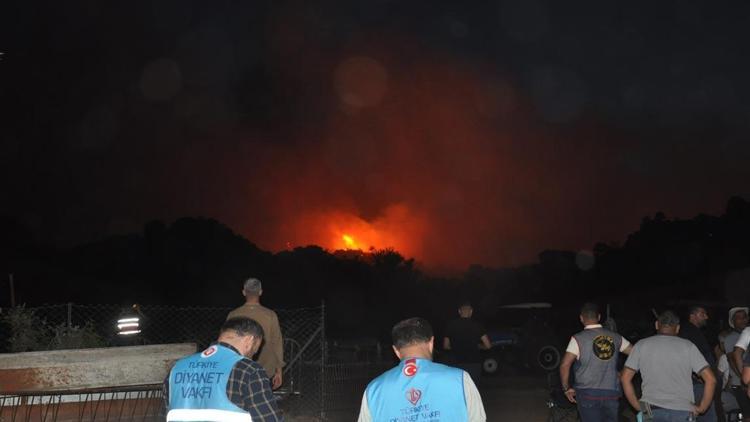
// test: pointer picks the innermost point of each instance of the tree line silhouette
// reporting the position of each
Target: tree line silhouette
(199, 261)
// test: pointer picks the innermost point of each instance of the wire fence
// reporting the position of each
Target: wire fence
(318, 385)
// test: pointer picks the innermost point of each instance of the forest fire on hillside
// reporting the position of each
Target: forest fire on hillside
(334, 230)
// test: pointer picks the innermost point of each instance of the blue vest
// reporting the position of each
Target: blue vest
(418, 390)
(198, 387)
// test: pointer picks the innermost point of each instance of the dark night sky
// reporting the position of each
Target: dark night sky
(458, 133)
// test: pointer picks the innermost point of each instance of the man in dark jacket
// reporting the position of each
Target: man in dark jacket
(464, 336)
(697, 317)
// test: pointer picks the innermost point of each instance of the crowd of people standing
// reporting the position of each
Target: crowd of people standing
(682, 377)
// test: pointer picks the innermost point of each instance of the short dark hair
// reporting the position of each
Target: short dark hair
(590, 310)
(243, 327)
(411, 331)
(694, 309)
(668, 319)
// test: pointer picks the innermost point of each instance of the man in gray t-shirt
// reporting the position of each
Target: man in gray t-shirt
(666, 363)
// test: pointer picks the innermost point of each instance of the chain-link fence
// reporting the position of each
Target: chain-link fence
(78, 326)
(345, 386)
(323, 380)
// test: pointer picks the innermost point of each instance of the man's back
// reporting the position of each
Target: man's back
(666, 364)
(464, 335)
(596, 367)
(694, 334)
(271, 355)
(418, 386)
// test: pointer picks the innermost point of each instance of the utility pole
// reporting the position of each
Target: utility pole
(12, 292)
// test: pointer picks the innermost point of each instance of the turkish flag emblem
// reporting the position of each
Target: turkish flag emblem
(413, 395)
(410, 367)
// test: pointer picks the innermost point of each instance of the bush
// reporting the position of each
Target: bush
(30, 333)
(75, 337)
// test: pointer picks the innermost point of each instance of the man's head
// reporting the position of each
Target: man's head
(413, 337)
(465, 310)
(697, 315)
(668, 323)
(590, 313)
(738, 318)
(252, 288)
(245, 334)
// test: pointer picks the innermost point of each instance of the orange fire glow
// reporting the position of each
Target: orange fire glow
(439, 162)
(396, 228)
(349, 242)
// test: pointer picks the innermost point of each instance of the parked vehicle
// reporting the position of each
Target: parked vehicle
(524, 335)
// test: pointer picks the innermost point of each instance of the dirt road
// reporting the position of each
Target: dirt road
(515, 398)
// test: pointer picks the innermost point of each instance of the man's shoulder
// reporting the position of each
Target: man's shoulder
(616, 336)
(382, 377)
(732, 337)
(598, 331)
(439, 367)
(236, 311)
(464, 323)
(665, 341)
(689, 331)
(453, 322)
(266, 312)
(434, 368)
(249, 366)
(246, 310)
(644, 342)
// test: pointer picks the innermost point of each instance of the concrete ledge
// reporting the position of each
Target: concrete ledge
(62, 370)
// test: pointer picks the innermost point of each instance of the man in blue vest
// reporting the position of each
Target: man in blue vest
(222, 383)
(593, 354)
(419, 389)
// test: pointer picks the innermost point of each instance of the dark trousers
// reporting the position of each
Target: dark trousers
(668, 415)
(710, 415)
(594, 409)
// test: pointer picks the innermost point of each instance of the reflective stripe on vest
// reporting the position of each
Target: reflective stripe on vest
(416, 390)
(198, 387)
(206, 415)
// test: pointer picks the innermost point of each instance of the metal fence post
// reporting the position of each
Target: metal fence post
(70, 315)
(323, 360)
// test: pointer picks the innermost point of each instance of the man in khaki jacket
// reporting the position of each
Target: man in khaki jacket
(271, 356)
